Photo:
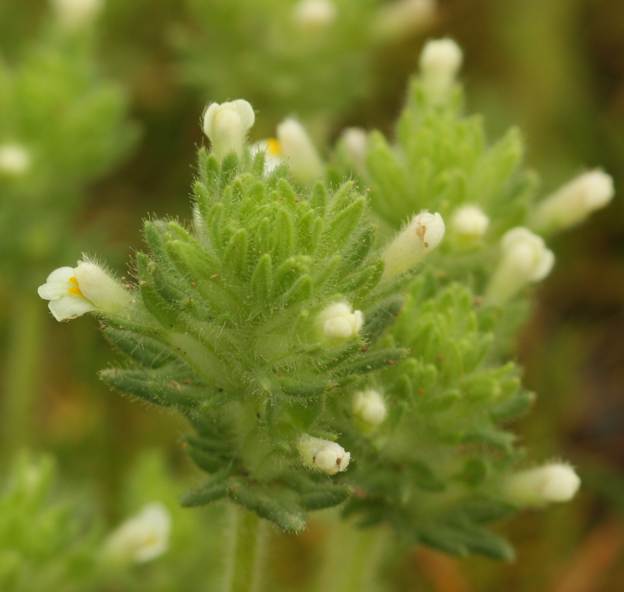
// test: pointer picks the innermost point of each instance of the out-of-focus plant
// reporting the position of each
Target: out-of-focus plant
(319, 52)
(328, 347)
(44, 543)
(183, 548)
(62, 125)
(52, 541)
(52, 537)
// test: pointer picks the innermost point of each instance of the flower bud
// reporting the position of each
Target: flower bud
(355, 143)
(323, 455)
(369, 407)
(141, 538)
(421, 236)
(314, 15)
(75, 14)
(73, 292)
(299, 151)
(440, 62)
(554, 482)
(227, 125)
(339, 321)
(469, 223)
(525, 258)
(575, 201)
(14, 160)
(273, 153)
(401, 18)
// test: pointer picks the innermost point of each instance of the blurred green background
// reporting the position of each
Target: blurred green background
(555, 68)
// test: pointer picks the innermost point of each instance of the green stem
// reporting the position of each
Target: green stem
(22, 372)
(352, 559)
(246, 552)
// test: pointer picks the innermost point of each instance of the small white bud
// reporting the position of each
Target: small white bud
(75, 14)
(554, 482)
(440, 62)
(575, 201)
(142, 538)
(323, 455)
(524, 259)
(370, 407)
(314, 15)
(299, 151)
(14, 160)
(421, 236)
(355, 143)
(401, 18)
(469, 223)
(73, 292)
(227, 126)
(339, 321)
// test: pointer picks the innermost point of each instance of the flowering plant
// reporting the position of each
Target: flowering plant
(340, 331)
(62, 125)
(309, 46)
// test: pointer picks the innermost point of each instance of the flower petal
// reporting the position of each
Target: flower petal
(69, 307)
(545, 265)
(208, 118)
(245, 112)
(57, 284)
(62, 274)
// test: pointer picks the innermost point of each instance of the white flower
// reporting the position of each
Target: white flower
(73, 292)
(554, 482)
(299, 151)
(314, 15)
(421, 236)
(403, 17)
(525, 258)
(272, 153)
(355, 142)
(227, 125)
(370, 407)
(440, 62)
(323, 455)
(14, 159)
(75, 14)
(469, 223)
(575, 201)
(339, 321)
(142, 537)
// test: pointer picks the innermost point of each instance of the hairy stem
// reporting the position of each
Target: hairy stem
(246, 553)
(352, 559)
(21, 379)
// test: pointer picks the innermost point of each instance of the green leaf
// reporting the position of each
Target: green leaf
(319, 198)
(269, 504)
(145, 351)
(513, 407)
(300, 291)
(235, 256)
(381, 318)
(304, 387)
(424, 477)
(371, 361)
(262, 279)
(162, 310)
(154, 388)
(365, 279)
(213, 490)
(324, 498)
(345, 223)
